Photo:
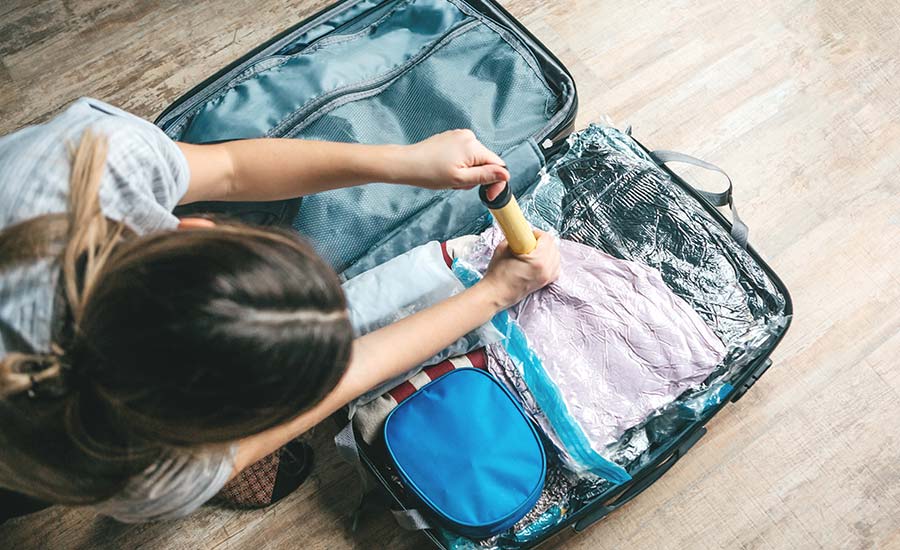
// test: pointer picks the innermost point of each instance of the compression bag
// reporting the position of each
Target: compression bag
(464, 447)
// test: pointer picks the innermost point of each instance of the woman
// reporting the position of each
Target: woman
(141, 367)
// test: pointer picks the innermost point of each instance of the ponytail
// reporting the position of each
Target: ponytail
(21, 372)
(44, 435)
(91, 236)
(81, 240)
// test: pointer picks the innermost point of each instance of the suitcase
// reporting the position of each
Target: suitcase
(398, 71)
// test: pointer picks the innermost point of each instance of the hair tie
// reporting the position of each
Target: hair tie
(32, 390)
(47, 376)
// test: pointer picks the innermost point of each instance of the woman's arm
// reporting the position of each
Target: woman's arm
(272, 169)
(392, 350)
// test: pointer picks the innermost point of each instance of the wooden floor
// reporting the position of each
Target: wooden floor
(797, 99)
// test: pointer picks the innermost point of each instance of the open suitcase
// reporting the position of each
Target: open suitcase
(398, 71)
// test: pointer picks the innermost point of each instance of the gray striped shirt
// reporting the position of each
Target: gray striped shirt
(146, 175)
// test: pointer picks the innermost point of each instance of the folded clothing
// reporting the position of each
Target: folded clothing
(369, 418)
(607, 345)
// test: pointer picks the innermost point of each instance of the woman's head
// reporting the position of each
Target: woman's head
(207, 335)
(179, 338)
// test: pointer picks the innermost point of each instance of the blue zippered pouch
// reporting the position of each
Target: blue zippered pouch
(463, 445)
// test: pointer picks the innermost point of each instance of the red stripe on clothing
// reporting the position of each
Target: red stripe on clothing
(447, 259)
(402, 391)
(478, 358)
(436, 371)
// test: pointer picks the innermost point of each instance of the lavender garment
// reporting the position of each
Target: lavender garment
(614, 339)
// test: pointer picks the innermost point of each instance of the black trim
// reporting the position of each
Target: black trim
(748, 382)
(643, 482)
(498, 202)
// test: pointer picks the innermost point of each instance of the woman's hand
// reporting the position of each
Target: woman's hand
(453, 159)
(512, 277)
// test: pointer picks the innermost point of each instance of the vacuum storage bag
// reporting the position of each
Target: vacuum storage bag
(605, 192)
(607, 345)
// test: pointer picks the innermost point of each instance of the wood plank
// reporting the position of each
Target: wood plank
(797, 100)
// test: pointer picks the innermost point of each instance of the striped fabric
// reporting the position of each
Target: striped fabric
(370, 418)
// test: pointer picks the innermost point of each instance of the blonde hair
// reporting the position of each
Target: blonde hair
(81, 236)
(79, 241)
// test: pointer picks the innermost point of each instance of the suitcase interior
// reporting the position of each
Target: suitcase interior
(398, 71)
(389, 72)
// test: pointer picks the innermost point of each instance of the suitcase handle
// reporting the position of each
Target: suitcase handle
(640, 484)
(739, 230)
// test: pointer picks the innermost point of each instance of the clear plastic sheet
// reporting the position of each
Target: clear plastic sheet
(606, 192)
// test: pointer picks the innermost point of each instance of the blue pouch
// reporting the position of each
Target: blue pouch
(463, 445)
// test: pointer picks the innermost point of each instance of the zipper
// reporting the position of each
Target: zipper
(270, 62)
(555, 130)
(235, 75)
(331, 38)
(306, 115)
(551, 136)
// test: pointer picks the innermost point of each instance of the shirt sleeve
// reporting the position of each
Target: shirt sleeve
(171, 488)
(147, 174)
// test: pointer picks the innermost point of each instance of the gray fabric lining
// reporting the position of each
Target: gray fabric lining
(380, 92)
